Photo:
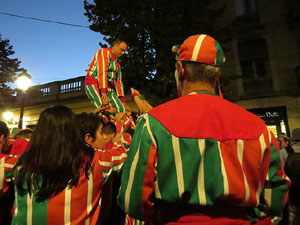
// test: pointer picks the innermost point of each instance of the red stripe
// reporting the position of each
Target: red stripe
(251, 160)
(103, 55)
(91, 80)
(149, 184)
(186, 50)
(56, 209)
(233, 170)
(78, 203)
(91, 65)
(207, 51)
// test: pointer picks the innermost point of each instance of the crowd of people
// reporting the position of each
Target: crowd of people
(198, 159)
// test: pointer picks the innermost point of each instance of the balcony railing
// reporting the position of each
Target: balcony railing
(55, 91)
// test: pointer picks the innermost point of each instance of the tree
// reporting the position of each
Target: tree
(9, 67)
(151, 28)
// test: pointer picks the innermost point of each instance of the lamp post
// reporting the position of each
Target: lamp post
(23, 83)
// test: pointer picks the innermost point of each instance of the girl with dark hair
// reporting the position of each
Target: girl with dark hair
(4, 134)
(59, 179)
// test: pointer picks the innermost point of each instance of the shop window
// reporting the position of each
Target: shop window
(275, 118)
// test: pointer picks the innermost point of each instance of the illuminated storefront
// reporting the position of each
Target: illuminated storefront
(275, 119)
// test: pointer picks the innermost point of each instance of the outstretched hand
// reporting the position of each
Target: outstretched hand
(135, 91)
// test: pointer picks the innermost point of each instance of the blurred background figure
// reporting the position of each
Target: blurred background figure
(285, 148)
(296, 140)
(20, 144)
(6, 200)
(4, 135)
(292, 169)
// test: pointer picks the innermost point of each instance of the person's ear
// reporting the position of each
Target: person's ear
(2, 139)
(105, 136)
(88, 138)
(180, 70)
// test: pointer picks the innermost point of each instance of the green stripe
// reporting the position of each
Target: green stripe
(39, 212)
(137, 188)
(111, 69)
(8, 174)
(39, 209)
(126, 168)
(279, 188)
(212, 171)
(190, 155)
(219, 54)
(115, 101)
(166, 162)
(22, 210)
(92, 95)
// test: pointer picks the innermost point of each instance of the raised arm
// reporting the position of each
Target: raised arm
(139, 174)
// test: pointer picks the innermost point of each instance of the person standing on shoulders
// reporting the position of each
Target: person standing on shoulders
(103, 82)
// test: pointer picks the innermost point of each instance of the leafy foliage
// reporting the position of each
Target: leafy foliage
(151, 28)
(9, 67)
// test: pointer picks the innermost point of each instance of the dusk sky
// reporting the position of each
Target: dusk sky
(49, 51)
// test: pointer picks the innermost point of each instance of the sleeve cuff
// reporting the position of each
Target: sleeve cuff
(103, 90)
(122, 99)
(134, 94)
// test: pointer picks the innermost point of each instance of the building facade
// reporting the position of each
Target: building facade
(263, 55)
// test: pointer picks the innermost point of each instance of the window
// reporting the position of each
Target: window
(245, 7)
(254, 68)
(72, 86)
(254, 64)
(45, 91)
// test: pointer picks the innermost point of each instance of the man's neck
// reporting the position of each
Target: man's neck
(189, 87)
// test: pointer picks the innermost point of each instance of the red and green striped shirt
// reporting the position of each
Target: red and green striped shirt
(78, 205)
(199, 149)
(105, 70)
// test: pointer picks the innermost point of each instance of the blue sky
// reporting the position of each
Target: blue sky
(49, 51)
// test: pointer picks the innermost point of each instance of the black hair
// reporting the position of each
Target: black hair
(4, 129)
(55, 155)
(27, 133)
(88, 123)
(117, 41)
(109, 128)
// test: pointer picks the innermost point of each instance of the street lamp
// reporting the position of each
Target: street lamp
(8, 116)
(23, 83)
